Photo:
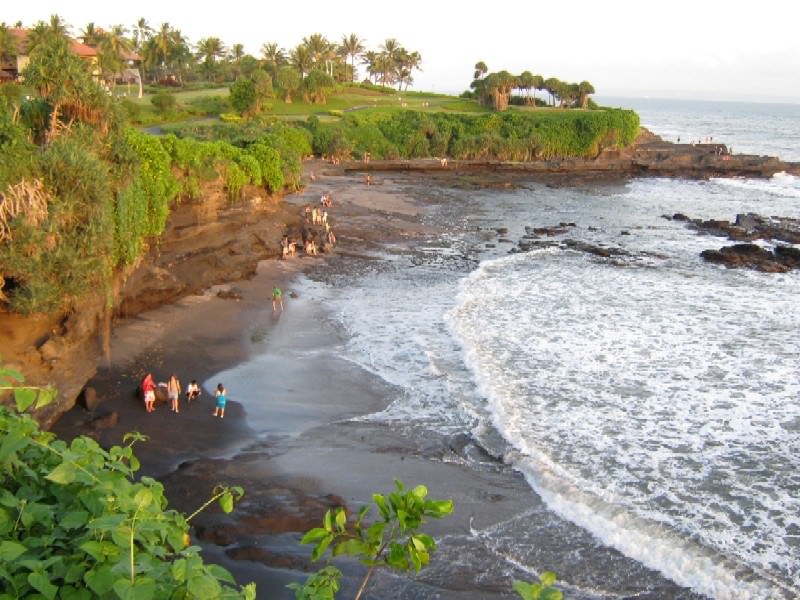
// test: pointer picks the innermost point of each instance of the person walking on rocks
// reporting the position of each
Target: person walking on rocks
(222, 400)
(174, 392)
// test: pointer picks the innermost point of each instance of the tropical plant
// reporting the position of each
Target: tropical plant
(393, 541)
(75, 523)
(317, 86)
(209, 50)
(352, 46)
(273, 57)
(541, 590)
(243, 96)
(289, 80)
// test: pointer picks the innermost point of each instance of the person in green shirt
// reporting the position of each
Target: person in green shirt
(277, 298)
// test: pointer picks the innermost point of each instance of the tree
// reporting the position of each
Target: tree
(61, 80)
(91, 35)
(525, 83)
(141, 32)
(263, 87)
(236, 55)
(480, 69)
(8, 44)
(316, 86)
(406, 63)
(243, 96)
(289, 81)
(209, 50)
(584, 89)
(114, 47)
(553, 86)
(352, 46)
(274, 58)
(301, 59)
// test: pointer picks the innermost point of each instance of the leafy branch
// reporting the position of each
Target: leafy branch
(392, 541)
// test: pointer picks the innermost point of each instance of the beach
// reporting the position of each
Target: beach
(301, 439)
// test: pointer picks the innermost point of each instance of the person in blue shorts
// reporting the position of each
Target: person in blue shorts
(222, 399)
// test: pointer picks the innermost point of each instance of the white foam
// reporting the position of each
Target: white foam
(657, 381)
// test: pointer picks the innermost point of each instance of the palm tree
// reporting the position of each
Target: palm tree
(58, 26)
(300, 58)
(584, 89)
(480, 69)
(141, 32)
(209, 49)
(407, 62)
(353, 47)
(236, 55)
(164, 42)
(553, 86)
(391, 51)
(319, 48)
(91, 35)
(538, 85)
(273, 58)
(525, 83)
(114, 47)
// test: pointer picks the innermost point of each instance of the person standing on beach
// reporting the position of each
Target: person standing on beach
(222, 399)
(277, 298)
(149, 391)
(174, 392)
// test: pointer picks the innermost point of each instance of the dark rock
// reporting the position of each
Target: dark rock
(233, 293)
(745, 255)
(680, 217)
(788, 255)
(104, 421)
(89, 398)
(502, 230)
(267, 557)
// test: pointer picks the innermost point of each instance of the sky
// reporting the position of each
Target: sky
(695, 49)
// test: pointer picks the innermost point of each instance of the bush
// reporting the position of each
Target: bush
(74, 522)
(164, 103)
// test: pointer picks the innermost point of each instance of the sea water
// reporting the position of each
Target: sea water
(652, 399)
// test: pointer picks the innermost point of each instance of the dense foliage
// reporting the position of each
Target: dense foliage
(82, 195)
(513, 136)
(75, 524)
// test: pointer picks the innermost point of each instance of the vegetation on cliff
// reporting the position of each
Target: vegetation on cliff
(82, 195)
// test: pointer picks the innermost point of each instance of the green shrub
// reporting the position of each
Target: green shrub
(164, 103)
(75, 523)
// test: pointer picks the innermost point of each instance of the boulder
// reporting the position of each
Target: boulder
(89, 398)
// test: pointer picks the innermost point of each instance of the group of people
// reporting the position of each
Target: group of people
(173, 392)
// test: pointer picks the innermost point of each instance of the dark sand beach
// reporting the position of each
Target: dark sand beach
(297, 451)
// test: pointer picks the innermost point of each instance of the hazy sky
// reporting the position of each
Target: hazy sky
(706, 49)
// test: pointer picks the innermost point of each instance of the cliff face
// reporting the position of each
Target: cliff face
(206, 242)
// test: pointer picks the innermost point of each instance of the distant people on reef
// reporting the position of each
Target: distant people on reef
(222, 400)
(174, 393)
(277, 298)
(149, 392)
(192, 391)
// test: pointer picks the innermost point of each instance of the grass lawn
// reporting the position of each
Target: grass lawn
(345, 100)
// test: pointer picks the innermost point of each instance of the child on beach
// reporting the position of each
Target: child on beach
(277, 298)
(149, 391)
(222, 399)
(192, 391)
(174, 392)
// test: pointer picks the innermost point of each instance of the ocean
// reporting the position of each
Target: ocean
(651, 399)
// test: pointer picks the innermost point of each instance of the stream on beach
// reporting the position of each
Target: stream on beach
(641, 408)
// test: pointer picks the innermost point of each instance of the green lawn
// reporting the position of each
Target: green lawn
(191, 103)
